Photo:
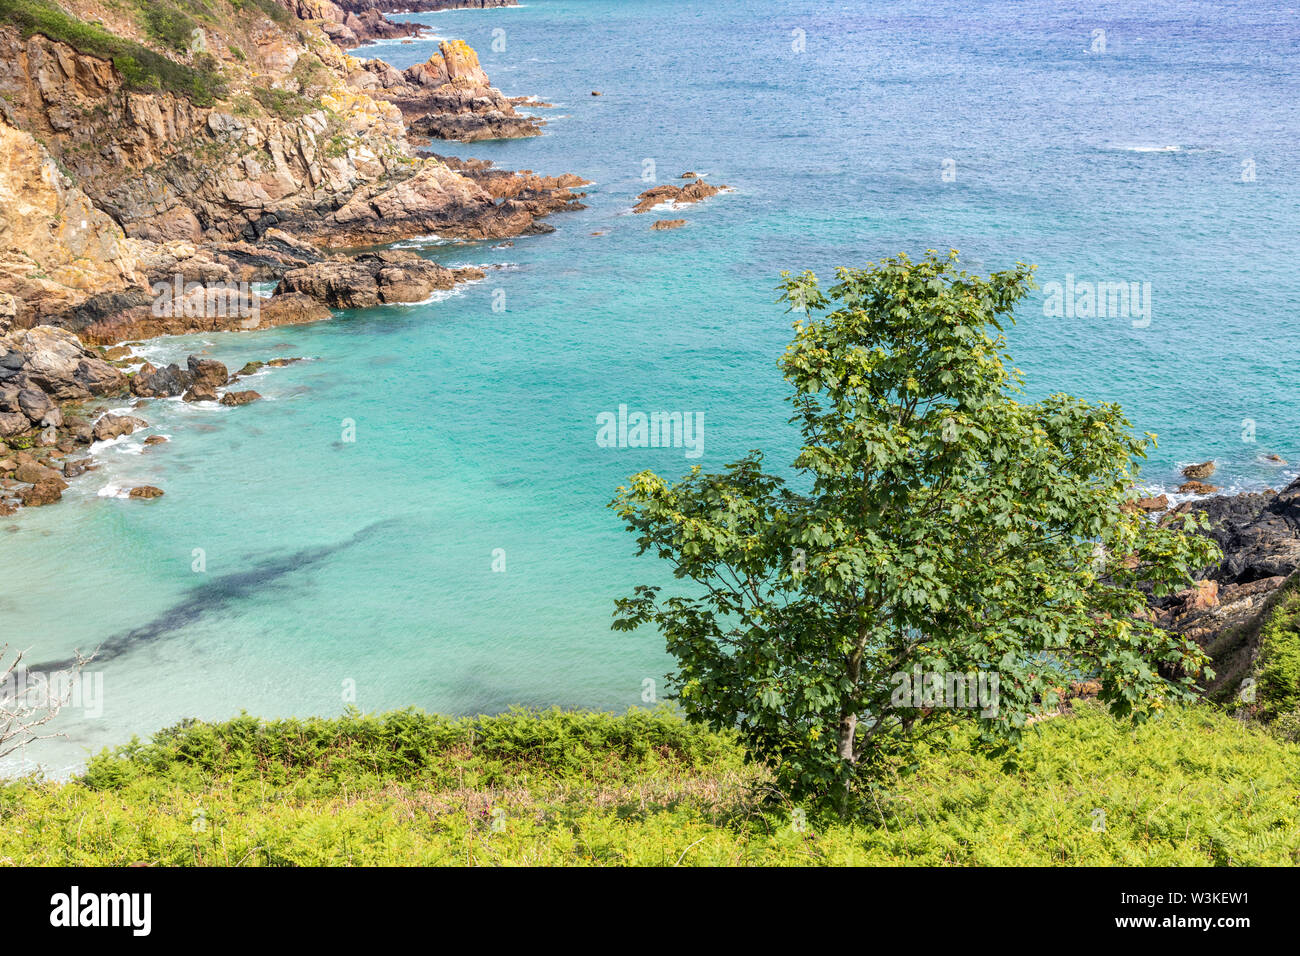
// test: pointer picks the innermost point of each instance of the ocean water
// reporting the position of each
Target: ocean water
(289, 570)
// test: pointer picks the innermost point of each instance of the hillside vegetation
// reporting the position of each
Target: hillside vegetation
(1193, 787)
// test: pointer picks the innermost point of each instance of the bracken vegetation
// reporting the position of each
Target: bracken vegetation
(1191, 787)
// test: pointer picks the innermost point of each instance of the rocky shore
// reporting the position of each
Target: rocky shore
(1259, 535)
(250, 149)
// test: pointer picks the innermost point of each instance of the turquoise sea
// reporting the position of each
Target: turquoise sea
(1162, 150)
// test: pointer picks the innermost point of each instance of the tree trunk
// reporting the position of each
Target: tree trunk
(848, 726)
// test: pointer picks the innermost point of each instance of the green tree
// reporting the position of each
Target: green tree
(935, 523)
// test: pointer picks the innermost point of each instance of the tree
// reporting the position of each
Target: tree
(934, 525)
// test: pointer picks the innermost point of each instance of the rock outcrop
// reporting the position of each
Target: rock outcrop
(380, 278)
(1259, 534)
(693, 192)
(286, 151)
(448, 97)
(351, 27)
(146, 183)
(56, 249)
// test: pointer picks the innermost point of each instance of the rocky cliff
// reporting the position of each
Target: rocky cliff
(448, 97)
(282, 139)
(160, 144)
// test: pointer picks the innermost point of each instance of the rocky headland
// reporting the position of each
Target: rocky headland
(448, 97)
(156, 159)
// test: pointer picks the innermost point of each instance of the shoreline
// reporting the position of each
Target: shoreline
(363, 252)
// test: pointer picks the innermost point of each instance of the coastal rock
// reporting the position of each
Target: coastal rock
(145, 491)
(13, 423)
(200, 393)
(372, 279)
(54, 361)
(33, 472)
(151, 382)
(1197, 488)
(239, 398)
(1259, 534)
(43, 493)
(693, 192)
(1159, 503)
(1199, 472)
(208, 373)
(448, 97)
(668, 224)
(112, 426)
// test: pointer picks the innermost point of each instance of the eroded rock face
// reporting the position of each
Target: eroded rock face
(56, 249)
(372, 279)
(448, 97)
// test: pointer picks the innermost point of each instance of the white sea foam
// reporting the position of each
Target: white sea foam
(439, 295)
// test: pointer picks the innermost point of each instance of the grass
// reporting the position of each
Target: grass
(141, 67)
(1193, 788)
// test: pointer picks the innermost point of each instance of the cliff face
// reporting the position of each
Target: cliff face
(58, 248)
(243, 128)
(448, 97)
(171, 169)
(422, 6)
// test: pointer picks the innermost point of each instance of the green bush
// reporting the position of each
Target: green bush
(1278, 681)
